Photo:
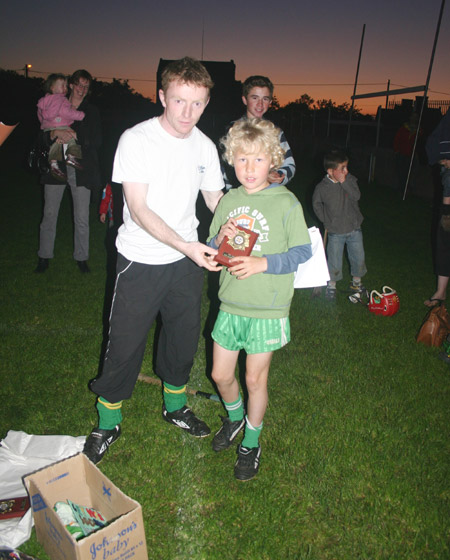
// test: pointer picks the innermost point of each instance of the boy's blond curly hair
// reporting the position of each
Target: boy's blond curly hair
(252, 136)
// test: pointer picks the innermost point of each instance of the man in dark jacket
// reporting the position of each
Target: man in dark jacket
(438, 151)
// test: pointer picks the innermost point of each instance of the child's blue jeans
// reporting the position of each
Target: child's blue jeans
(355, 250)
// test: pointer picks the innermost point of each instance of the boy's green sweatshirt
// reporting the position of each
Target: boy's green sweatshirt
(277, 216)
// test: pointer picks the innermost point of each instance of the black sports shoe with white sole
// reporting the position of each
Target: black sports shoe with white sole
(98, 441)
(185, 419)
(227, 433)
(247, 464)
(358, 293)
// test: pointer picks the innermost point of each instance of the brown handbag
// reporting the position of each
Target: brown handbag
(435, 327)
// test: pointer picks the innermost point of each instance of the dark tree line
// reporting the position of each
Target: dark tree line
(121, 107)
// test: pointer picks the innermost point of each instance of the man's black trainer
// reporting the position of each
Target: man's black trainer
(98, 441)
(186, 420)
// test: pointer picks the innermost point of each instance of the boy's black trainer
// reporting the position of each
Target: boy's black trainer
(358, 289)
(247, 464)
(227, 433)
(330, 293)
(186, 420)
(98, 441)
(357, 293)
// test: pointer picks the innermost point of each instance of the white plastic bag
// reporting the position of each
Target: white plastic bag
(22, 454)
(313, 272)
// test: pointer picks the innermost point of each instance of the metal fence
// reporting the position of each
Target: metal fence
(443, 105)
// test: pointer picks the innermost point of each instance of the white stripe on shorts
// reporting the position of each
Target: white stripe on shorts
(284, 339)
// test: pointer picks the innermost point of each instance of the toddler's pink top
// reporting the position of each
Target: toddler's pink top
(56, 111)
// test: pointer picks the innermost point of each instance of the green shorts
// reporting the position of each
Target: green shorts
(255, 336)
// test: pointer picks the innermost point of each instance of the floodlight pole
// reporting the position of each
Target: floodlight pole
(377, 142)
(203, 37)
(329, 119)
(425, 94)
(354, 88)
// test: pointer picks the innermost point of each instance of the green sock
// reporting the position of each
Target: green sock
(174, 397)
(109, 414)
(235, 409)
(251, 435)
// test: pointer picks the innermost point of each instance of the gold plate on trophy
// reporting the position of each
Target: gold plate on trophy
(240, 245)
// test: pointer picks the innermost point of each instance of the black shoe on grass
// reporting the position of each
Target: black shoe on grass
(247, 464)
(358, 289)
(227, 433)
(98, 441)
(42, 266)
(330, 293)
(83, 266)
(358, 293)
(444, 356)
(186, 420)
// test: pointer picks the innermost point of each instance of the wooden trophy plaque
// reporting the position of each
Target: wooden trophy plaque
(14, 507)
(240, 245)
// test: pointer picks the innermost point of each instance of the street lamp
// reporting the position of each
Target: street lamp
(27, 67)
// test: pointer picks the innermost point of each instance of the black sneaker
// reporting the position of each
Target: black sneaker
(227, 433)
(42, 266)
(330, 293)
(357, 293)
(186, 420)
(444, 356)
(247, 464)
(83, 266)
(357, 289)
(98, 441)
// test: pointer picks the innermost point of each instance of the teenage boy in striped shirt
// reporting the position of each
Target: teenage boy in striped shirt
(257, 95)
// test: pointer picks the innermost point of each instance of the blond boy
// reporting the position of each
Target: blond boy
(255, 291)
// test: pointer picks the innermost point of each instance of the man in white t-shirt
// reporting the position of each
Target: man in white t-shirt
(162, 164)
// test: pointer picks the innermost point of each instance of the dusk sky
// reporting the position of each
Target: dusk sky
(312, 45)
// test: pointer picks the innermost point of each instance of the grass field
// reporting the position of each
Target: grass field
(355, 447)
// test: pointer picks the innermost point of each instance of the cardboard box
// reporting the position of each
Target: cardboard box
(79, 480)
